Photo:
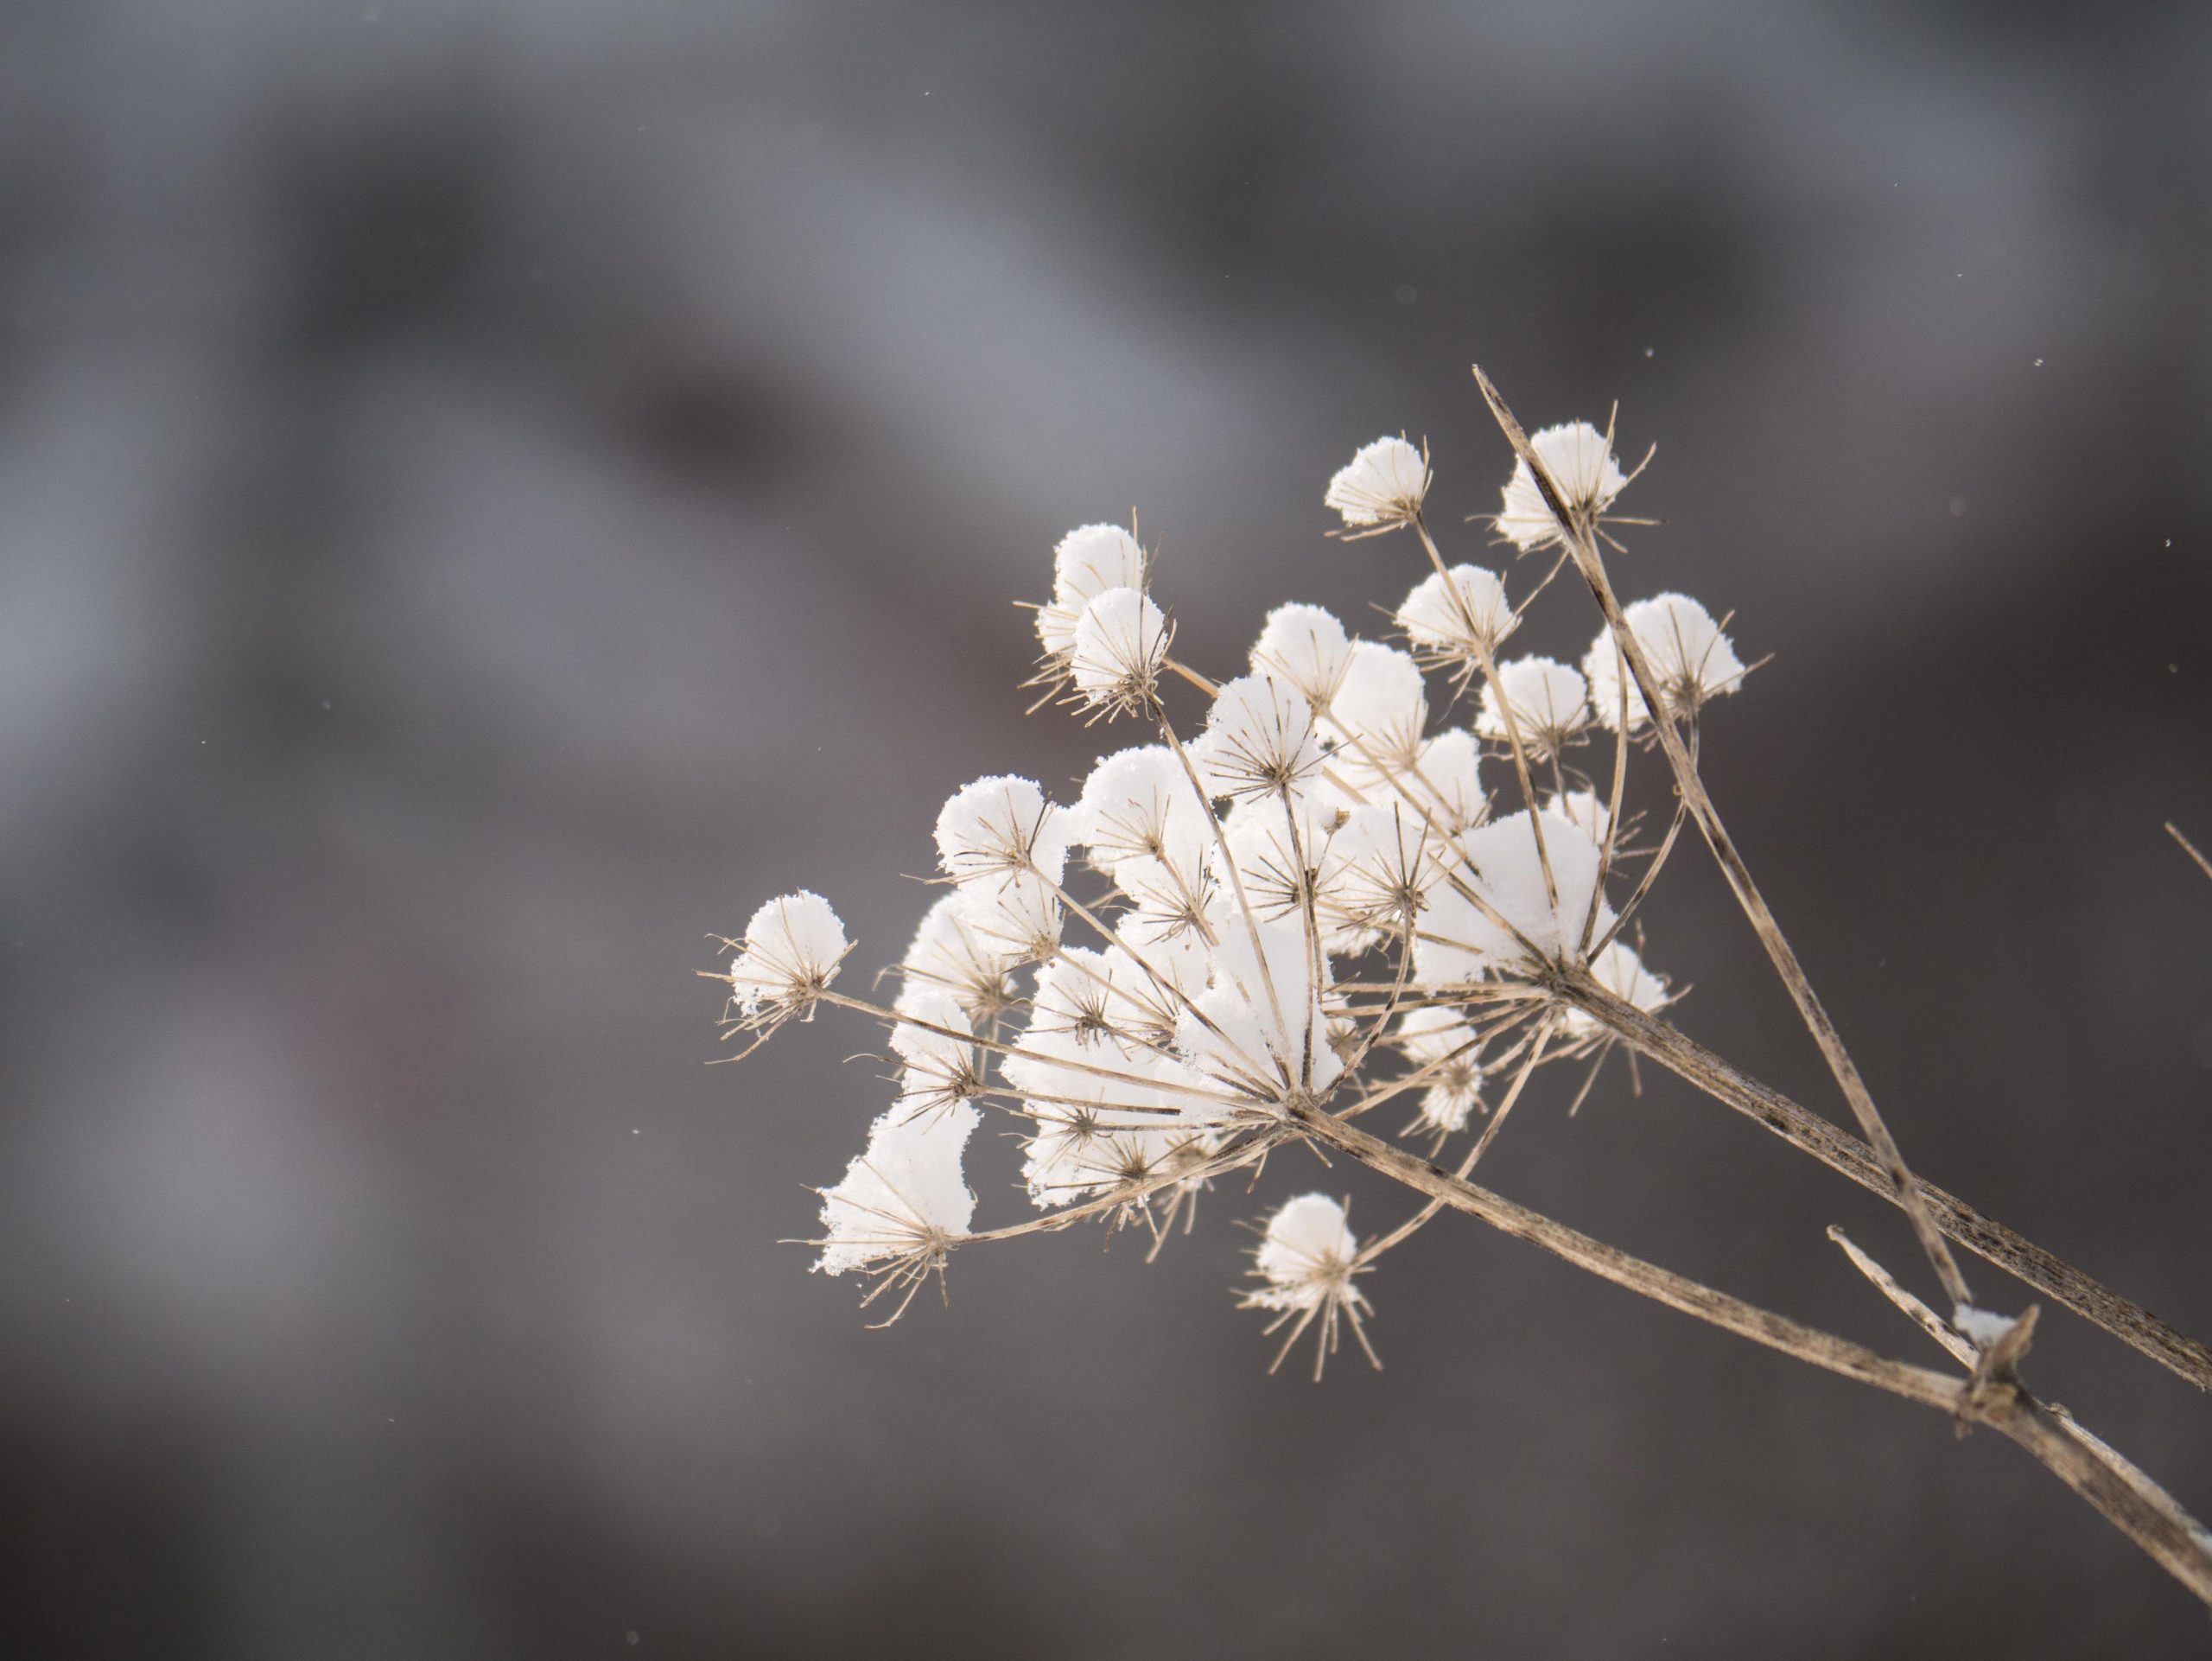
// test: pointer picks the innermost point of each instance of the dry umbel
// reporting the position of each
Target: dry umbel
(1315, 906)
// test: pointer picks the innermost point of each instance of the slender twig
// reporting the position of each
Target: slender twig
(2190, 848)
(2164, 1531)
(1840, 1151)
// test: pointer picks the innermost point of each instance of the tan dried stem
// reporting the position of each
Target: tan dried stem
(2002, 1403)
(1840, 1151)
(1583, 543)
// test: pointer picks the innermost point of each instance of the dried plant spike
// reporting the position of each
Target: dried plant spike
(1312, 918)
(1381, 488)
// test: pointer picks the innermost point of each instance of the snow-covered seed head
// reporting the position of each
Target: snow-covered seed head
(1447, 781)
(1379, 712)
(948, 952)
(1380, 487)
(1305, 1264)
(1089, 560)
(1620, 971)
(789, 954)
(999, 828)
(1581, 464)
(1138, 804)
(1549, 706)
(1459, 616)
(1587, 810)
(1516, 927)
(1120, 643)
(1305, 646)
(904, 1203)
(1441, 1047)
(937, 1064)
(1259, 740)
(1383, 861)
(1690, 658)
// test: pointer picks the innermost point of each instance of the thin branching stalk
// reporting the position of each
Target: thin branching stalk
(1583, 543)
(2158, 1525)
(1840, 1151)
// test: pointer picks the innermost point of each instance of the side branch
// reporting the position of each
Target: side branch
(1840, 1151)
(2001, 1403)
(1582, 545)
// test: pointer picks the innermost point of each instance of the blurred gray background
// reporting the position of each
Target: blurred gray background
(490, 492)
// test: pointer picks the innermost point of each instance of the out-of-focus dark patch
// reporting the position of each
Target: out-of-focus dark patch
(715, 429)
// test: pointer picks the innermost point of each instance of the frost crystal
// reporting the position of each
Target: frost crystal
(1580, 463)
(1381, 487)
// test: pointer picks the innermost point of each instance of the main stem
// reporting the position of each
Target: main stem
(1840, 1151)
(1582, 545)
(2158, 1525)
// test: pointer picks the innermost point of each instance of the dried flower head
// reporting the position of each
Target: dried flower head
(1306, 647)
(1691, 658)
(1305, 1264)
(902, 1204)
(1459, 617)
(1581, 461)
(1548, 707)
(788, 955)
(1120, 641)
(1380, 487)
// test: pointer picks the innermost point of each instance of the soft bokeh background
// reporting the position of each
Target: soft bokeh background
(490, 492)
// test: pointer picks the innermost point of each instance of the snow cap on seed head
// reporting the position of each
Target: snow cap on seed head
(1380, 487)
(1258, 739)
(1439, 1042)
(1305, 646)
(1089, 560)
(1691, 658)
(999, 828)
(1461, 614)
(789, 953)
(1581, 461)
(904, 1202)
(1546, 699)
(1306, 1255)
(1119, 645)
